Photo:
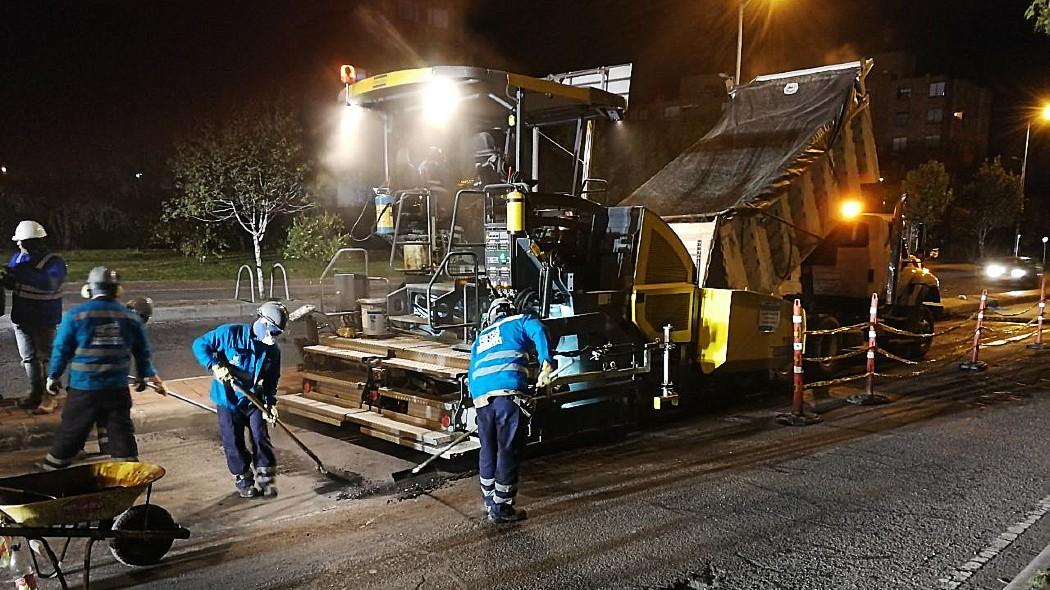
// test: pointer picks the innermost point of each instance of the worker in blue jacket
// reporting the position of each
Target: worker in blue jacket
(246, 355)
(497, 378)
(97, 341)
(35, 276)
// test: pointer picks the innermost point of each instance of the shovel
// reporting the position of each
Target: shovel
(298, 442)
(409, 473)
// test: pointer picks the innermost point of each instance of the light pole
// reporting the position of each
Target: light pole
(1044, 114)
(1045, 239)
(740, 39)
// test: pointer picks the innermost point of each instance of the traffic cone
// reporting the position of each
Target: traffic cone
(798, 416)
(975, 364)
(1038, 344)
(869, 397)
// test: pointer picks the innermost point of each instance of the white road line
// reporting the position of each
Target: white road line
(965, 571)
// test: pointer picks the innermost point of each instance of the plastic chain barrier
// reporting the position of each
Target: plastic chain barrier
(838, 330)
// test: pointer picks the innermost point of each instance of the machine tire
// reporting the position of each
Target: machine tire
(135, 552)
(826, 345)
(921, 322)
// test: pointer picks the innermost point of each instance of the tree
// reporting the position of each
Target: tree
(929, 193)
(993, 199)
(249, 171)
(1039, 11)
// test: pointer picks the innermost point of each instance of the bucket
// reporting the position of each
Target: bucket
(373, 317)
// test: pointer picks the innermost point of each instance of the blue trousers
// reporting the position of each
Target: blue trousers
(501, 433)
(232, 424)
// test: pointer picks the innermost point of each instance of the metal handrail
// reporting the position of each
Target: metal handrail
(284, 275)
(331, 264)
(251, 282)
(477, 296)
(399, 199)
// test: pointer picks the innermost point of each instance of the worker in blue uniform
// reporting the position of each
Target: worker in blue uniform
(97, 341)
(497, 378)
(35, 276)
(246, 355)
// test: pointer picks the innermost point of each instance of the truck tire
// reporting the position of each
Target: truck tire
(920, 322)
(823, 346)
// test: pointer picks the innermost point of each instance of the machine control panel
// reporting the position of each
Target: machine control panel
(497, 256)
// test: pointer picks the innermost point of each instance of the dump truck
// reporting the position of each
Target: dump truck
(633, 330)
(771, 200)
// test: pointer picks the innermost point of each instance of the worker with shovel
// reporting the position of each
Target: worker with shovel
(246, 361)
(96, 341)
(498, 376)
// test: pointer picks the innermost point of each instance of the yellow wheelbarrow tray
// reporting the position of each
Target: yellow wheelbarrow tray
(94, 502)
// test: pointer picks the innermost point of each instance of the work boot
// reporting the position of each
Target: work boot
(246, 486)
(506, 515)
(268, 490)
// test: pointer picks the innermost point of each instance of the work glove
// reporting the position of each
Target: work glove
(222, 373)
(158, 384)
(544, 378)
(271, 413)
(54, 386)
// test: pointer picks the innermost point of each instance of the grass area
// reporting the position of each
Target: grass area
(168, 265)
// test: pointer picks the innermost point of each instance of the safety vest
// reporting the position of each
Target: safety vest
(37, 298)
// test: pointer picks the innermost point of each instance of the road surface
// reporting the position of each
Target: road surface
(947, 482)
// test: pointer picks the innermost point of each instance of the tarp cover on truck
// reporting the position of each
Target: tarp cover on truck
(770, 173)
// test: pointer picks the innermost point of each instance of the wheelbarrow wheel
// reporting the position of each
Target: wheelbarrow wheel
(139, 552)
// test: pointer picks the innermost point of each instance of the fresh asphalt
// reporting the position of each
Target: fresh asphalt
(904, 495)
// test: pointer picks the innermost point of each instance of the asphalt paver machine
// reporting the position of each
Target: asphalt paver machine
(472, 220)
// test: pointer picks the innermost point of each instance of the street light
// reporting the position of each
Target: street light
(1045, 239)
(1044, 114)
(740, 39)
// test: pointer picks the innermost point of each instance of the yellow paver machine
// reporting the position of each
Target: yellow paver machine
(457, 153)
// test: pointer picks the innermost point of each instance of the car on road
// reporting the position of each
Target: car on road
(1015, 271)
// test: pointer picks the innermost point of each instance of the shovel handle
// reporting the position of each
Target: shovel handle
(462, 436)
(302, 446)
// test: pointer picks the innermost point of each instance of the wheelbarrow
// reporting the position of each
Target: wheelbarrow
(94, 502)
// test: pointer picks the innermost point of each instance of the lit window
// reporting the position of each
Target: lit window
(958, 115)
(900, 144)
(933, 141)
(903, 93)
(935, 115)
(900, 119)
(937, 89)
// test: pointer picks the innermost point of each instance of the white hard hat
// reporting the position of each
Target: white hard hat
(27, 230)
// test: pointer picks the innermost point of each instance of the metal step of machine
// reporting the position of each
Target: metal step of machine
(404, 390)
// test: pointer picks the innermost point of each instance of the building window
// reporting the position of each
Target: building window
(958, 115)
(900, 144)
(438, 17)
(900, 119)
(935, 115)
(937, 89)
(903, 93)
(933, 141)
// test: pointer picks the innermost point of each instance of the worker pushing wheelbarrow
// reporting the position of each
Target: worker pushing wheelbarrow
(94, 502)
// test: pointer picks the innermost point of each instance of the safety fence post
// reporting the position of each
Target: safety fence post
(1038, 344)
(797, 417)
(869, 397)
(974, 364)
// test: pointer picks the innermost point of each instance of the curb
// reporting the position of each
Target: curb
(1022, 581)
(958, 308)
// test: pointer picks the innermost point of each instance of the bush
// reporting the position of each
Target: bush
(315, 237)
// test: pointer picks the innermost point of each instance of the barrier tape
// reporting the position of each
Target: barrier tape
(892, 356)
(838, 381)
(900, 332)
(824, 359)
(838, 330)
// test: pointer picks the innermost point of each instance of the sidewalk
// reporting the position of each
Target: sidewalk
(151, 413)
(1040, 566)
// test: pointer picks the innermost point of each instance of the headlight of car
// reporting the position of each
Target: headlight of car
(1017, 273)
(995, 271)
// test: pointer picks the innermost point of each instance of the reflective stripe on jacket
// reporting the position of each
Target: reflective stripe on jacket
(500, 356)
(256, 366)
(36, 298)
(96, 341)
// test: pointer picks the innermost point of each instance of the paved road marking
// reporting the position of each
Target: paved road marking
(1005, 539)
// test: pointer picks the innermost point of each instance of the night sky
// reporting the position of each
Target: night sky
(113, 82)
